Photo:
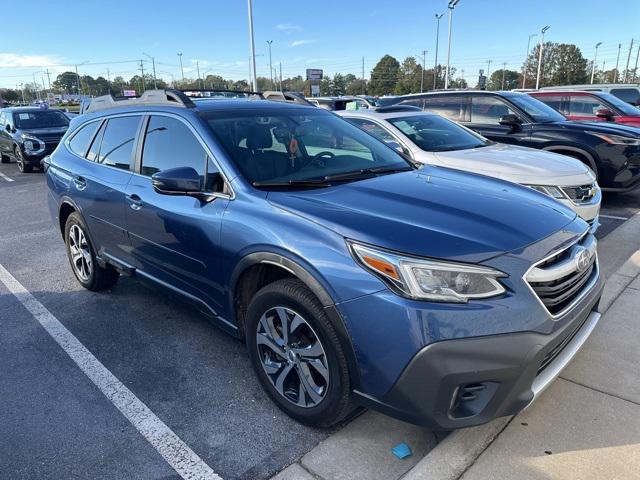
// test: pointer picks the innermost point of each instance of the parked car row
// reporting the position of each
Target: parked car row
(355, 274)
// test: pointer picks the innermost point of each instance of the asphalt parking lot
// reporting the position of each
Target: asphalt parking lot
(196, 379)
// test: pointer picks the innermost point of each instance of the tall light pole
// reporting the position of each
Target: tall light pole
(615, 72)
(435, 63)
(424, 59)
(78, 76)
(451, 6)
(269, 42)
(526, 58)
(626, 70)
(198, 71)
(635, 69)
(504, 69)
(254, 80)
(593, 65)
(153, 64)
(543, 31)
(181, 69)
(489, 62)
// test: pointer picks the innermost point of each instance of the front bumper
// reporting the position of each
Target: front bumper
(465, 382)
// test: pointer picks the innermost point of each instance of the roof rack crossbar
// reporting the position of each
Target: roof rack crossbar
(171, 97)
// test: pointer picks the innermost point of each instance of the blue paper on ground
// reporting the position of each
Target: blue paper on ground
(402, 450)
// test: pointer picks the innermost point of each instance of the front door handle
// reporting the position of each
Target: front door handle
(135, 202)
(80, 183)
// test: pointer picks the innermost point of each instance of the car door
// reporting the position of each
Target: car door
(485, 112)
(98, 183)
(4, 135)
(176, 239)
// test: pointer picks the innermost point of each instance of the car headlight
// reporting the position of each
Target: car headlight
(550, 190)
(31, 143)
(617, 139)
(431, 280)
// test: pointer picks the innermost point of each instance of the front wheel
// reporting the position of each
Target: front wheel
(83, 259)
(297, 355)
(22, 165)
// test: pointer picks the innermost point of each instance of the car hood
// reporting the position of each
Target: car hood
(601, 127)
(432, 212)
(519, 164)
(44, 131)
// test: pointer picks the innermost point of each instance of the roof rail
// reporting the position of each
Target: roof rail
(398, 108)
(174, 98)
(207, 93)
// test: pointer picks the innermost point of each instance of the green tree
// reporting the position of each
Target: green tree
(357, 87)
(511, 80)
(65, 82)
(562, 64)
(338, 85)
(384, 76)
(409, 77)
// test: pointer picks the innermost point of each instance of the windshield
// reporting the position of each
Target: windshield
(433, 133)
(624, 107)
(538, 110)
(297, 145)
(40, 119)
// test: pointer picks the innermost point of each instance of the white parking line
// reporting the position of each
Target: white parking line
(177, 454)
(8, 179)
(613, 217)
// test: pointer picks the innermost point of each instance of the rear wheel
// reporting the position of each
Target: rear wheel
(83, 259)
(22, 165)
(297, 355)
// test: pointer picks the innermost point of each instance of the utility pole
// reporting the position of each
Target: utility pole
(254, 80)
(281, 76)
(153, 63)
(435, 62)
(198, 70)
(108, 77)
(424, 59)
(364, 84)
(77, 80)
(489, 62)
(144, 87)
(635, 69)
(626, 70)
(35, 86)
(593, 65)
(452, 4)
(526, 58)
(504, 68)
(615, 72)
(543, 31)
(269, 42)
(181, 69)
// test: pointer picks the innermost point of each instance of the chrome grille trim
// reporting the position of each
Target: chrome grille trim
(581, 194)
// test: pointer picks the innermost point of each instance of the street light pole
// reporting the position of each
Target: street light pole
(77, 79)
(504, 68)
(526, 58)
(593, 65)
(269, 42)
(489, 62)
(153, 63)
(543, 31)
(626, 70)
(181, 69)
(254, 80)
(435, 63)
(615, 72)
(451, 6)
(424, 59)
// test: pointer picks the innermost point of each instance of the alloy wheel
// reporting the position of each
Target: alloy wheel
(292, 356)
(80, 253)
(19, 160)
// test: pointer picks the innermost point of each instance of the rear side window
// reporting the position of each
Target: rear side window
(117, 143)
(585, 105)
(555, 102)
(488, 110)
(414, 102)
(79, 144)
(453, 107)
(629, 95)
(169, 143)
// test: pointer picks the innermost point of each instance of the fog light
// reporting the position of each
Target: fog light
(28, 146)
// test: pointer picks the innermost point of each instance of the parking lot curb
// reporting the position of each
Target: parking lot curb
(452, 457)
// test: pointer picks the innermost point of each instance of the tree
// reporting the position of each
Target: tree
(338, 85)
(562, 64)
(384, 76)
(511, 80)
(409, 77)
(357, 87)
(10, 95)
(66, 82)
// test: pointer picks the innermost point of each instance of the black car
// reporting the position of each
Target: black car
(612, 151)
(28, 134)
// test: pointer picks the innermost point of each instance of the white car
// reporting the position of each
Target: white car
(432, 139)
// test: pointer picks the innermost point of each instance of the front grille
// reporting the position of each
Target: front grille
(562, 278)
(55, 139)
(582, 193)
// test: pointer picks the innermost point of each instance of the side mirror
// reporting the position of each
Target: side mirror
(183, 181)
(511, 120)
(605, 114)
(8, 128)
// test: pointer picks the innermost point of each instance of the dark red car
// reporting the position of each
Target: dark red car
(592, 106)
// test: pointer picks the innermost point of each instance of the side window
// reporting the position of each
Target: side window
(117, 141)
(555, 102)
(453, 107)
(585, 105)
(373, 128)
(214, 181)
(488, 110)
(79, 143)
(629, 95)
(94, 149)
(414, 102)
(169, 143)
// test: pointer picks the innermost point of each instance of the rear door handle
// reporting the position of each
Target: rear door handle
(80, 183)
(135, 202)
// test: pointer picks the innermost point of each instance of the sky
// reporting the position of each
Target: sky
(328, 34)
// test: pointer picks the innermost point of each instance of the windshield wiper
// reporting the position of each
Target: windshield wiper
(366, 172)
(319, 183)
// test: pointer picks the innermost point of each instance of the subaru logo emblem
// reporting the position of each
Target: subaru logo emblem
(583, 259)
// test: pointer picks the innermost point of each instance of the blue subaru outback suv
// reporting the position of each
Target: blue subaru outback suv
(442, 298)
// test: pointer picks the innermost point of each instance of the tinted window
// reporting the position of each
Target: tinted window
(414, 102)
(95, 145)
(585, 105)
(373, 128)
(117, 142)
(626, 108)
(629, 95)
(534, 107)
(436, 134)
(488, 110)
(452, 107)
(79, 144)
(169, 143)
(40, 119)
(554, 101)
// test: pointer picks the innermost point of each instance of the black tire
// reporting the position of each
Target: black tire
(97, 278)
(294, 296)
(4, 158)
(22, 166)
